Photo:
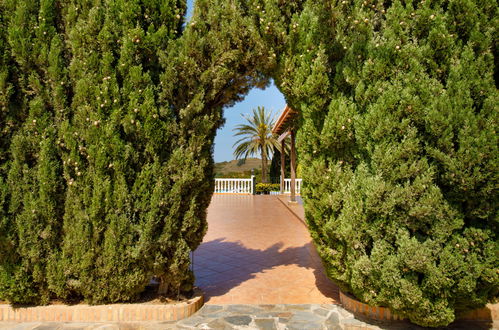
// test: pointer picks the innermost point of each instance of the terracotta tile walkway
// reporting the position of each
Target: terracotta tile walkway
(257, 252)
(295, 208)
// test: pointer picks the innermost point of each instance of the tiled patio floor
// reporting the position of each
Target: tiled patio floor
(257, 252)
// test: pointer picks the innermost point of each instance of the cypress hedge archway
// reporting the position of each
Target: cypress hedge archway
(109, 113)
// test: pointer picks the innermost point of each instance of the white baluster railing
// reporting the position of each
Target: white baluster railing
(245, 186)
(287, 186)
(233, 186)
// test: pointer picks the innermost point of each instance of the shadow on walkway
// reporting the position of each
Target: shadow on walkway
(294, 274)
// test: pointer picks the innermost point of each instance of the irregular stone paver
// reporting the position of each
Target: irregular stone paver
(265, 324)
(238, 320)
(256, 251)
(333, 321)
(267, 317)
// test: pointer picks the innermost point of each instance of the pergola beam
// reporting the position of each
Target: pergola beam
(283, 136)
(284, 127)
(292, 198)
(283, 167)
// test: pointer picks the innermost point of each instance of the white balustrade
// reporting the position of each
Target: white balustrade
(233, 186)
(245, 186)
(287, 186)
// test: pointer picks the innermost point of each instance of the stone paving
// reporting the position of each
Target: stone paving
(310, 316)
(294, 317)
(266, 317)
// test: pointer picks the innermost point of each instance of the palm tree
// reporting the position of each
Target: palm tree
(257, 138)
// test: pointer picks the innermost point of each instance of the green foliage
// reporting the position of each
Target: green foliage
(92, 187)
(398, 147)
(275, 167)
(397, 144)
(265, 188)
(109, 111)
(242, 168)
(240, 175)
(7, 128)
(88, 170)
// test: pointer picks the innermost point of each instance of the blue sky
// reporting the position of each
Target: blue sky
(189, 8)
(270, 98)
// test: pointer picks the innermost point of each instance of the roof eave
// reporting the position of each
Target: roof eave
(283, 118)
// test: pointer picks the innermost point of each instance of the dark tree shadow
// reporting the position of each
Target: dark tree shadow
(221, 265)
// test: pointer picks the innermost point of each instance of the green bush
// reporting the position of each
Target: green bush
(265, 188)
(399, 148)
(398, 145)
(109, 112)
(93, 187)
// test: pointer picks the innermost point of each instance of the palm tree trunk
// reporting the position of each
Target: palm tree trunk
(264, 167)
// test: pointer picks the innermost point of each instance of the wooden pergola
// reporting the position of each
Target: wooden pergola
(284, 127)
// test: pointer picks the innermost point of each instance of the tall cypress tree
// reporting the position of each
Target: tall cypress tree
(117, 145)
(117, 142)
(7, 128)
(398, 146)
(33, 173)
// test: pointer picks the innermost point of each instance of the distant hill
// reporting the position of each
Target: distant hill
(238, 166)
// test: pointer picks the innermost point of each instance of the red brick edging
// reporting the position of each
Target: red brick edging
(374, 312)
(103, 313)
(488, 313)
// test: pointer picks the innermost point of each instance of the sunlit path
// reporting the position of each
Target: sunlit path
(257, 252)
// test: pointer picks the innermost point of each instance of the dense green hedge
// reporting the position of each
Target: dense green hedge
(107, 124)
(399, 148)
(90, 206)
(398, 145)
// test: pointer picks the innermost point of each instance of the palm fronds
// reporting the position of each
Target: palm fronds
(256, 138)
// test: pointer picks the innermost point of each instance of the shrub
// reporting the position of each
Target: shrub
(265, 188)
(109, 112)
(399, 149)
(89, 172)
